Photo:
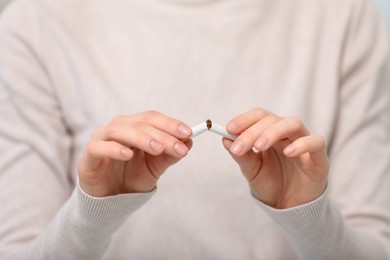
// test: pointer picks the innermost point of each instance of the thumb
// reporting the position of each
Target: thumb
(249, 163)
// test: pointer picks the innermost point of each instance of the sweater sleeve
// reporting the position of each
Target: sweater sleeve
(351, 220)
(318, 230)
(42, 216)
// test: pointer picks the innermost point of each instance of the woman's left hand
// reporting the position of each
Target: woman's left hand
(284, 164)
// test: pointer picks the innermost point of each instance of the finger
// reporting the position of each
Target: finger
(131, 136)
(162, 162)
(287, 128)
(172, 146)
(144, 137)
(245, 120)
(313, 144)
(98, 150)
(248, 137)
(249, 163)
(164, 123)
(98, 131)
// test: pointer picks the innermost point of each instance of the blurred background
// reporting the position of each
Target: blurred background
(384, 6)
(3, 3)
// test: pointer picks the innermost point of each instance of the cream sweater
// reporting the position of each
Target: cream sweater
(68, 66)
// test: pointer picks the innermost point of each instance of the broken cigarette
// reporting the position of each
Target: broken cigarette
(219, 129)
(199, 129)
(212, 127)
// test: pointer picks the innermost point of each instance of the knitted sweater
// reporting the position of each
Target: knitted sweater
(67, 67)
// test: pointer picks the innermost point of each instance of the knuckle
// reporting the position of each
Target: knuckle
(270, 135)
(113, 120)
(110, 131)
(295, 121)
(272, 130)
(96, 133)
(261, 112)
(116, 119)
(256, 109)
(148, 115)
(271, 119)
(250, 135)
(321, 141)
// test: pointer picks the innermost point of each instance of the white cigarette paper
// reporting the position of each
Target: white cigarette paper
(218, 129)
(198, 129)
(212, 127)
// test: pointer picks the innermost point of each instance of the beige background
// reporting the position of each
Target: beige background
(384, 5)
(3, 3)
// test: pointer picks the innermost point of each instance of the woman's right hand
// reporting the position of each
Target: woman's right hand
(130, 153)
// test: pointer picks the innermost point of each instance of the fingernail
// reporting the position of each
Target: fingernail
(156, 145)
(181, 149)
(289, 150)
(237, 147)
(184, 130)
(126, 152)
(261, 144)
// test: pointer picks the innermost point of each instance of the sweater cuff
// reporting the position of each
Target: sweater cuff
(306, 218)
(110, 210)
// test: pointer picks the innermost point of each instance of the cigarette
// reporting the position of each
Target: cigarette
(212, 127)
(199, 129)
(218, 129)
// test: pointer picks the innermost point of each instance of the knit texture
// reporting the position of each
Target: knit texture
(70, 66)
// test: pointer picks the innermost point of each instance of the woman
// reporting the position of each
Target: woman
(97, 103)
